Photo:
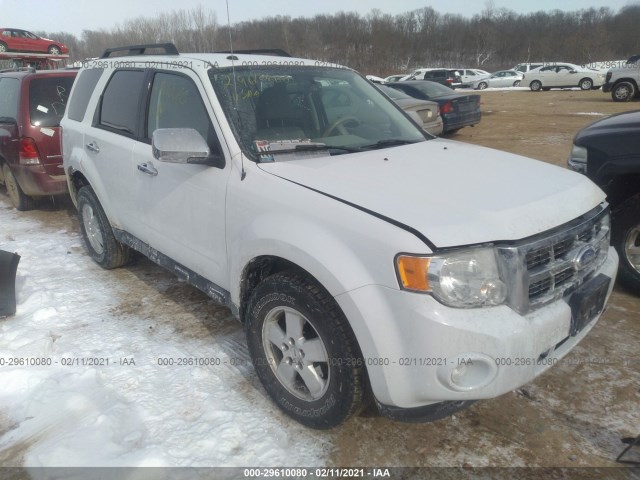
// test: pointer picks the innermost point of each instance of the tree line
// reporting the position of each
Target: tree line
(381, 44)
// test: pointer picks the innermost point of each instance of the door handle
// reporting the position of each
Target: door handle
(93, 146)
(148, 168)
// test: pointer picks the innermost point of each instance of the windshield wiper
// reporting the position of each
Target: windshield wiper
(387, 142)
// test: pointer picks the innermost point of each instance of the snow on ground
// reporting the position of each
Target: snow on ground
(114, 405)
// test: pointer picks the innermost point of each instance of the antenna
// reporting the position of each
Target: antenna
(243, 173)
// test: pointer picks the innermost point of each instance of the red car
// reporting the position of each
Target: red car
(14, 40)
(31, 106)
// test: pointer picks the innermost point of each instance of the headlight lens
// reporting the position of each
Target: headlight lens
(463, 279)
(578, 154)
(578, 159)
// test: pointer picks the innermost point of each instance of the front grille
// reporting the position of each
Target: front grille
(550, 265)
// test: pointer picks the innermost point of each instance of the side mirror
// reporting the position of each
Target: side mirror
(183, 145)
(573, 71)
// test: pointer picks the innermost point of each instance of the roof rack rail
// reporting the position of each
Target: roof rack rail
(276, 52)
(169, 49)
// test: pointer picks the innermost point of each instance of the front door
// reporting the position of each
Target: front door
(183, 205)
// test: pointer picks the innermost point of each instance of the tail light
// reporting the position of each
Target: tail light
(28, 154)
(446, 107)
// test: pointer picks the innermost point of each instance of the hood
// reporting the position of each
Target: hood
(628, 122)
(453, 193)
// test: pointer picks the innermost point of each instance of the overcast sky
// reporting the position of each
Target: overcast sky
(74, 16)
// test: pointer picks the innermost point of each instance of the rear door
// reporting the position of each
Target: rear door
(108, 147)
(9, 95)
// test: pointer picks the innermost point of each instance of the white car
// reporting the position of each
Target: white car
(366, 258)
(563, 75)
(395, 78)
(503, 78)
(470, 76)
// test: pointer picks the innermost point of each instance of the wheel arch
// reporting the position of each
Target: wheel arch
(629, 80)
(75, 180)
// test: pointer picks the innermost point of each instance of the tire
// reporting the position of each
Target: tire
(21, 201)
(103, 247)
(54, 50)
(319, 389)
(482, 85)
(3, 47)
(516, 83)
(586, 84)
(625, 238)
(535, 86)
(623, 92)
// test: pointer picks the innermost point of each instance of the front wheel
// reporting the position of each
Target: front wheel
(625, 237)
(3, 47)
(623, 92)
(535, 86)
(54, 50)
(304, 351)
(482, 85)
(103, 247)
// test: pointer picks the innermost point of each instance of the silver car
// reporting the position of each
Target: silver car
(423, 112)
(503, 78)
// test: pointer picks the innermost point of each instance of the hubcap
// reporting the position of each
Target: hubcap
(632, 248)
(296, 353)
(92, 227)
(622, 92)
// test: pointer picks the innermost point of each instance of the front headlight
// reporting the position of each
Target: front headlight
(463, 279)
(578, 159)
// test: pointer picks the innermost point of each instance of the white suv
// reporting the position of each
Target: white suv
(367, 259)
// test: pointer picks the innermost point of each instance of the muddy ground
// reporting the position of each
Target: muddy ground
(573, 415)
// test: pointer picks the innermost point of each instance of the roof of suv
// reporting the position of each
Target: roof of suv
(172, 58)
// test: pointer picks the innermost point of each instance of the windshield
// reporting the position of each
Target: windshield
(285, 108)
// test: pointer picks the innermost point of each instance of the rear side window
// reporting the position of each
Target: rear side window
(48, 100)
(119, 107)
(9, 89)
(85, 84)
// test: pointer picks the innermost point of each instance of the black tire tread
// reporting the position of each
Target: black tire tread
(299, 282)
(625, 216)
(25, 202)
(116, 254)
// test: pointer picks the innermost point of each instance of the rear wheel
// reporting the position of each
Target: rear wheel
(3, 47)
(535, 86)
(103, 247)
(516, 83)
(21, 201)
(626, 240)
(623, 92)
(304, 351)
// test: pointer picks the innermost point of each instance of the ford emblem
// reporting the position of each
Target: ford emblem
(583, 257)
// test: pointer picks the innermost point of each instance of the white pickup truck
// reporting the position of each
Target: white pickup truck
(368, 260)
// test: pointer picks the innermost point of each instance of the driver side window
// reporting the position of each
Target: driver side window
(176, 103)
